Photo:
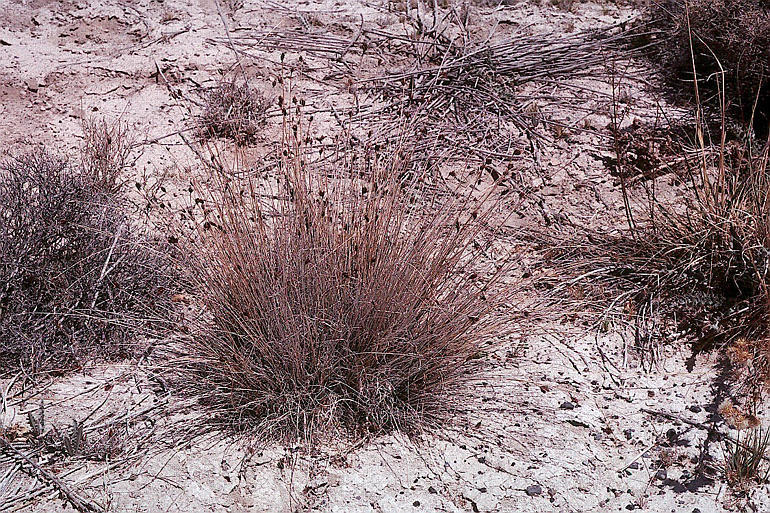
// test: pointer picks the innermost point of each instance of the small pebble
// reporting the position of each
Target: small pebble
(534, 490)
(567, 406)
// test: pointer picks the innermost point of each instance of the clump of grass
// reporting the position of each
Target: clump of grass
(730, 36)
(693, 259)
(744, 458)
(233, 110)
(745, 455)
(714, 240)
(70, 265)
(344, 300)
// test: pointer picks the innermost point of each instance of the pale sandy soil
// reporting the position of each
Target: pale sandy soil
(565, 422)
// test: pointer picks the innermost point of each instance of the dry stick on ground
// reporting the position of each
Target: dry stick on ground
(13, 503)
(232, 47)
(78, 502)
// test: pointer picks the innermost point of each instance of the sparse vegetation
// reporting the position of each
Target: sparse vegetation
(698, 261)
(72, 441)
(344, 305)
(342, 301)
(105, 153)
(744, 457)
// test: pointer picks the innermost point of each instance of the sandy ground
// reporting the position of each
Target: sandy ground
(569, 419)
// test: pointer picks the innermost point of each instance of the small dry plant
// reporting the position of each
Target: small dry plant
(72, 441)
(105, 153)
(745, 457)
(233, 110)
(342, 300)
(71, 265)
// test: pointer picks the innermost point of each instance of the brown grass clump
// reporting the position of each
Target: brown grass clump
(233, 110)
(714, 36)
(344, 300)
(70, 267)
(696, 263)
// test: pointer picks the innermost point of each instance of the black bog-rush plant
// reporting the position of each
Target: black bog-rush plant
(343, 300)
(70, 265)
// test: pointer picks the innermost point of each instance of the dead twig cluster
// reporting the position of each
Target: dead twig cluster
(27, 464)
(72, 265)
(474, 92)
(470, 93)
(233, 110)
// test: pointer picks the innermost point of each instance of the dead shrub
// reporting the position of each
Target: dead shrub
(233, 110)
(70, 265)
(341, 300)
(714, 36)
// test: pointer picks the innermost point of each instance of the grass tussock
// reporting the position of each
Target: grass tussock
(694, 259)
(744, 458)
(70, 264)
(730, 36)
(342, 301)
(715, 244)
(233, 110)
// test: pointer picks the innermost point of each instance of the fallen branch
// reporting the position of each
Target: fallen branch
(77, 502)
